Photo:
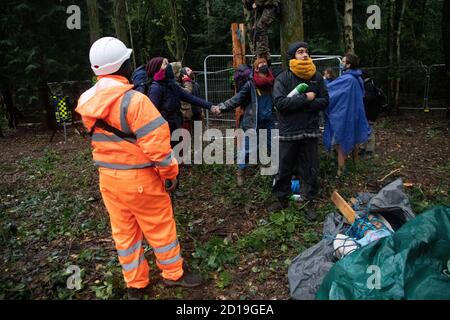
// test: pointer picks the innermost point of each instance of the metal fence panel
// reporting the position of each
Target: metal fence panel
(412, 83)
(217, 78)
(437, 88)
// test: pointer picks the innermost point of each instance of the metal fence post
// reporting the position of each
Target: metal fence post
(427, 90)
(205, 75)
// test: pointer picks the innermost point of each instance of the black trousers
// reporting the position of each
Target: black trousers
(298, 158)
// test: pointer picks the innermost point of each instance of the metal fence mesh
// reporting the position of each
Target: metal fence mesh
(216, 82)
(437, 89)
(421, 86)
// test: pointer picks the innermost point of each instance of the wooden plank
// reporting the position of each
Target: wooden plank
(345, 209)
(238, 37)
(408, 184)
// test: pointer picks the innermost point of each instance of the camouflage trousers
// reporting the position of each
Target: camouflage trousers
(261, 32)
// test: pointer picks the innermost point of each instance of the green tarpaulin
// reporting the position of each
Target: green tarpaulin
(410, 264)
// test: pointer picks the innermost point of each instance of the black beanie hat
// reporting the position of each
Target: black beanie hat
(293, 47)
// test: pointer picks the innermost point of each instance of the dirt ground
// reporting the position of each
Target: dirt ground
(52, 215)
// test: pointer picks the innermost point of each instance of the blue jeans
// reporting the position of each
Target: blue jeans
(244, 153)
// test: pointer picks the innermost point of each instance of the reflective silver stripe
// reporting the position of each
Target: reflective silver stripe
(134, 264)
(149, 127)
(100, 137)
(124, 110)
(123, 166)
(132, 249)
(167, 161)
(169, 261)
(166, 248)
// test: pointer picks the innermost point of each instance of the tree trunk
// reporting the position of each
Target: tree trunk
(131, 34)
(446, 43)
(390, 53)
(249, 19)
(418, 27)
(397, 46)
(94, 25)
(44, 102)
(142, 31)
(396, 13)
(208, 21)
(120, 21)
(179, 47)
(13, 113)
(348, 27)
(338, 24)
(291, 25)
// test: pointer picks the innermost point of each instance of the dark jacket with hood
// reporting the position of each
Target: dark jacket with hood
(140, 79)
(297, 116)
(167, 95)
(257, 104)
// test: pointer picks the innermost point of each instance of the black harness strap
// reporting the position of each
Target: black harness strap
(100, 123)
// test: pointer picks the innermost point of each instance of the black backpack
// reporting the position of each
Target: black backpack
(140, 80)
(374, 99)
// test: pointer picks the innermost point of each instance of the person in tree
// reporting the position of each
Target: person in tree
(265, 12)
(299, 94)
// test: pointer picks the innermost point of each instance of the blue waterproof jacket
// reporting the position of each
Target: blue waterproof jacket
(257, 104)
(345, 120)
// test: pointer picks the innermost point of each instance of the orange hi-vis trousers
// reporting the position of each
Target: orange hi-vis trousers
(139, 206)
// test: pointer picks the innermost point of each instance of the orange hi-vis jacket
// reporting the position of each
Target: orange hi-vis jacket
(113, 100)
(131, 172)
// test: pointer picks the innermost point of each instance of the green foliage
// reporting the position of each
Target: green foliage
(104, 290)
(215, 254)
(421, 201)
(224, 279)
(280, 230)
(33, 36)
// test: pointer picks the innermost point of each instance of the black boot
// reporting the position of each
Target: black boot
(311, 212)
(278, 205)
(138, 293)
(188, 280)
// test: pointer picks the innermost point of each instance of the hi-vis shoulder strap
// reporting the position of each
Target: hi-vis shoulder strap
(102, 124)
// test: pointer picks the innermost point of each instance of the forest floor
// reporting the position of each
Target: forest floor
(52, 215)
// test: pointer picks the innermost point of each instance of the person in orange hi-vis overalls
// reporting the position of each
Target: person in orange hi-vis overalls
(137, 169)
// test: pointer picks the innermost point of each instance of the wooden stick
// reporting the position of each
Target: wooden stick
(389, 174)
(345, 209)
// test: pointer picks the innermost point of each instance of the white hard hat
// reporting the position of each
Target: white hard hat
(107, 55)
